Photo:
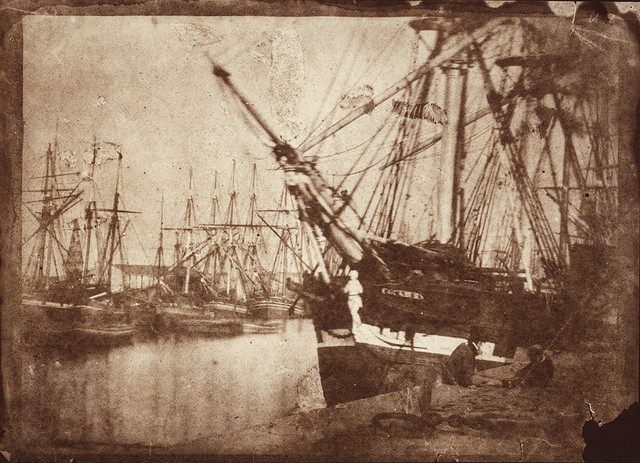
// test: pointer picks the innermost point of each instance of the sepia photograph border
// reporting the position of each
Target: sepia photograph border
(11, 168)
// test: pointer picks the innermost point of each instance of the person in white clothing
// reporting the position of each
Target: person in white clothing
(353, 289)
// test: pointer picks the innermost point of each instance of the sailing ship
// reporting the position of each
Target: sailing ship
(421, 299)
(217, 275)
(288, 263)
(181, 292)
(66, 299)
(228, 262)
(242, 281)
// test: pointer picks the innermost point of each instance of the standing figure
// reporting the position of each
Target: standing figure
(354, 290)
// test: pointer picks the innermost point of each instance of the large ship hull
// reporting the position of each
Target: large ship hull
(371, 361)
(414, 316)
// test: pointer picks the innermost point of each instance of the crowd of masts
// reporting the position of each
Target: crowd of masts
(235, 258)
(51, 260)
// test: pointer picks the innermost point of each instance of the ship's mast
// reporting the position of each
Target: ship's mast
(253, 198)
(250, 238)
(230, 212)
(114, 228)
(282, 243)
(43, 260)
(215, 245)
(159, 263)
(89, 211)
(437, 61)
(309, 187)
(49, 234)
(311, 191)
(45, 214)
(455, 73)
(189, 228)
(115, 234)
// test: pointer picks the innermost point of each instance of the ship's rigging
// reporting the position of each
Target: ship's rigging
(499, 218)
(508, 161)
(90, 257)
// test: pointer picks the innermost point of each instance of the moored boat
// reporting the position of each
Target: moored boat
(277, 307)
(185, 319)
(62, 300)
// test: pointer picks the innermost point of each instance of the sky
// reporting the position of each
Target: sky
(146, 84)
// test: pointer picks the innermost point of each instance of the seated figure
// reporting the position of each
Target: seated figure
(537, 373)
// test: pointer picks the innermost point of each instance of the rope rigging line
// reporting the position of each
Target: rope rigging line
(366, 169)
(545, 151)
(348, 91)
(351, 170)
(489, 144)
(382, 147)
(541, 227)
(401, 180)
(368, 140)
(407, 181)
(407, 133)
(317, 123)
(481, 197)
(386, 219)
(385, 197)
(531, 203)
(443, 57)
(378, 182)
(135, 230)
(437, 137)
(488, 203)
(478, 197)
(428, 202)
(482, 182)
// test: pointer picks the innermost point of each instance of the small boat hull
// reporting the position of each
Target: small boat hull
(277, 308)
(66, 324)
(199, 321)
(227, 309)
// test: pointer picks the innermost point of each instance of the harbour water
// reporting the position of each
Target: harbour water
(168, 391)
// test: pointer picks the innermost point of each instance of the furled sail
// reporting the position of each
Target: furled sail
(428, 111)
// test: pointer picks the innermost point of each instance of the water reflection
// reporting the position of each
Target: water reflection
(166, 392)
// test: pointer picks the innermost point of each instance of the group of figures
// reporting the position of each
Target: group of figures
(460, 368)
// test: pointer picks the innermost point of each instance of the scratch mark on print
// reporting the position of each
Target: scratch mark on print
(196, 35)
(286, 78)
